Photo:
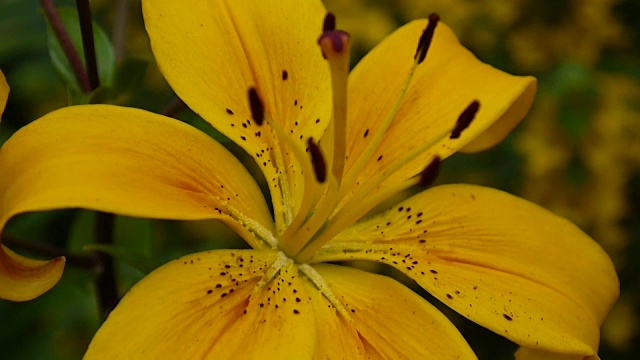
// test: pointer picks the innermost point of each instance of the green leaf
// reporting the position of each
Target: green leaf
(21, 31)
(133, 234)
(82, 231)
(104, 52)
(130, 75)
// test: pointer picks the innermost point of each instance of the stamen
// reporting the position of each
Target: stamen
(336, 48)
(332, 45)
(430, 172)
(421, 52)
(257, 109)
(289, 242)
(291, 222)
(367, 196)
(318, 219)
(329, 22)
(317, 159)
(251, 226)
(465, 119)
(425, 39)
(284, 219)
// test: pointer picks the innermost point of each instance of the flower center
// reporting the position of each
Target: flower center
(331, 200)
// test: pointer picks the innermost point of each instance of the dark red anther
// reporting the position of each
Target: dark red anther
(257, 109)
(430, 172)
(465, 119)
(329, 23)
(425, 39)
(317, 160)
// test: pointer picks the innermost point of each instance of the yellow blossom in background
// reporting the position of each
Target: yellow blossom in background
(581, 34)
(479, 23)
(611, 150)
(547, 150)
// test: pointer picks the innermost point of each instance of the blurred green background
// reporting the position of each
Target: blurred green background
(577, 153)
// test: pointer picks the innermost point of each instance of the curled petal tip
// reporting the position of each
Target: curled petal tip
(23, 279)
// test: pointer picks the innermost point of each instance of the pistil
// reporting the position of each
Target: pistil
(332, 44)
(290, 240)
(258, 115)
(336, 48)
(310, 185)
(376, 139)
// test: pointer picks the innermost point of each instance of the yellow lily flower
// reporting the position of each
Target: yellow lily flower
(254, 70)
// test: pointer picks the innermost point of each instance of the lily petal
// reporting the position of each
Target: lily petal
(23, 279)
(212, 52)
(215, 305)
(336, 336)
(448, 80)
(126, 161)
(415, 329)
(501, 261)
(130, 162)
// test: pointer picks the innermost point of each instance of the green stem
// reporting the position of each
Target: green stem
(119, 32)
(107, 288)
(70, 52)
(86, 29)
